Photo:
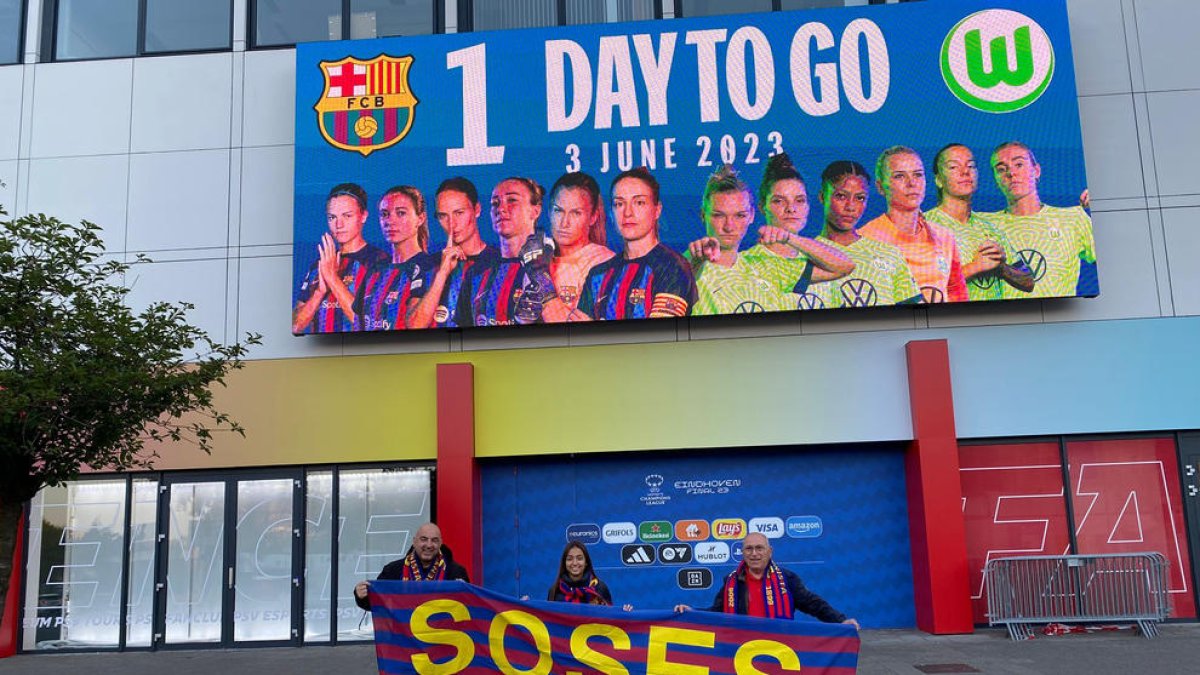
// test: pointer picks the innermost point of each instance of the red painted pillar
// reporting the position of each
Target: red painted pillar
(12, 610)
(936, 529)
(458, 490)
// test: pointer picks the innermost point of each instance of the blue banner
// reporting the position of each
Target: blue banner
(682, 98)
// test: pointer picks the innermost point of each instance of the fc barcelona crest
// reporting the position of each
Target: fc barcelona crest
(366, 105)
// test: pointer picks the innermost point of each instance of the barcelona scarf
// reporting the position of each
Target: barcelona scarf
(452, 627)
(584, 593)
(776, 599)
(414, 571)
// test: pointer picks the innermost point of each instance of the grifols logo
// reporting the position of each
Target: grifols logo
(997, 60)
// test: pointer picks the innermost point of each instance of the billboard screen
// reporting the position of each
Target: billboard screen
(791, 161)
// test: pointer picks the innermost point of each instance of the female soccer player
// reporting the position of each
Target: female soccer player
(386, 296)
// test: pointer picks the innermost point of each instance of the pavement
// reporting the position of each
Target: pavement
(884, 652)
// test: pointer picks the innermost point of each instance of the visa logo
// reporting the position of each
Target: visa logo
(772, 527)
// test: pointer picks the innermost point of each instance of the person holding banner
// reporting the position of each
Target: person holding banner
(648, 280)
(325, 303)
(577, 580)
(983, 248)
(1053, 241)
(759, 587)
(457, 212)
(930, 249)
(385, 298)
(427, 560)
(881, 275)
(764, 277)
(577, 225)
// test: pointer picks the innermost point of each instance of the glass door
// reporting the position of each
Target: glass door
(229, 552)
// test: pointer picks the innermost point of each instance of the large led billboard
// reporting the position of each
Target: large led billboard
(792, 161)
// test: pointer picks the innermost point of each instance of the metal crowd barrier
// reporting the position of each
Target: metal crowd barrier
(1120, 587)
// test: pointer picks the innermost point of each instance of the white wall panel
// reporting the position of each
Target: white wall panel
(1183, 250)
(1098, 45)
(82, 108)
(270, 97)
(200, 282)
(1176, 138)
(267, 196)
(179, 200)
(1110, 142)
(264, 306)
(1167, 33)
(8, 186)
(860, 320)
(181, 102)
(83, 188)
(1126, 268)
(12, 80)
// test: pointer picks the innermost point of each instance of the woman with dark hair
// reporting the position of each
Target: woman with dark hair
(385, 298)
(577, 225)
(577, 581)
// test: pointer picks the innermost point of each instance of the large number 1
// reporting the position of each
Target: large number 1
(475, 149)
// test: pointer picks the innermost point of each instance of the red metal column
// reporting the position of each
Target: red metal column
(458, 490)
(12, 612)
(938, 535)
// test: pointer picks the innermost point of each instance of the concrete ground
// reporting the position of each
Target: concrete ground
(884, 652)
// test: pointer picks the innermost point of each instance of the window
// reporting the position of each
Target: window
(12, 25)
(500, 14)
(87, 29)
(282, 23)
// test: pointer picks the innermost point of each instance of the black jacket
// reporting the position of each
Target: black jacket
(802, 599)
(394, 571)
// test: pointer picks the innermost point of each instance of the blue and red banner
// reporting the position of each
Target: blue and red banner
(450, 627)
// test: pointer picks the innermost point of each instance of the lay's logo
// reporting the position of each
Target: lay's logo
(729, 528)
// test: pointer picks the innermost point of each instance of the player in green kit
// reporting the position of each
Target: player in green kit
(771, 275)
(990, 263)
(1053, 241)
(881, 275)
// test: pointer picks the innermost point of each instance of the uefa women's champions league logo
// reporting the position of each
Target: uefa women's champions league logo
(366, 105)
(997, 60)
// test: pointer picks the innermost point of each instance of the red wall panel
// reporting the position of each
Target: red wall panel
(1126, 497)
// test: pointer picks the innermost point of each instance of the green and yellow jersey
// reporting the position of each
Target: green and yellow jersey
(758, 281)
(970, 236)
(881, 277)
(1053, 243)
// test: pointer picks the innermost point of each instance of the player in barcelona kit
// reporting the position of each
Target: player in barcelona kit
(386, 296)
(458, 213)
(514, 287)
(881, 275)
(577, 225)
(989, 261)
(1053, 241)
(648, 280)
(769, 276)
(930, 249)
(325, 302)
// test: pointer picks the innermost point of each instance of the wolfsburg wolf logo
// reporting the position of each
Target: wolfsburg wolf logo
(997, 60)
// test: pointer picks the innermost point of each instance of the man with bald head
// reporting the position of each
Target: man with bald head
(426, 560)
(759, 587)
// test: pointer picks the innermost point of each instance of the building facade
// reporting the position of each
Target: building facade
(1051, 426)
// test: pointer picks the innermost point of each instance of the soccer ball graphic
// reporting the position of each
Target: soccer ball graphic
(366, 127)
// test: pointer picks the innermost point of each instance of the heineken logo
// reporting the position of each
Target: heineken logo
(997, 60)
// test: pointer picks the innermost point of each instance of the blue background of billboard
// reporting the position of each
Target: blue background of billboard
(861, 562)
(920, 112)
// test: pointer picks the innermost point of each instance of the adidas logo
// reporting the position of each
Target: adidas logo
(637, 554)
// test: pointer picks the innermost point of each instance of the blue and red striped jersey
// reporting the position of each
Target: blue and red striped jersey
(658, 284)
(491, 293)
(447, 315)
(353, 270)
(383, 299)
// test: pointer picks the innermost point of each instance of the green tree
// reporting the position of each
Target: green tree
(85, 381)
